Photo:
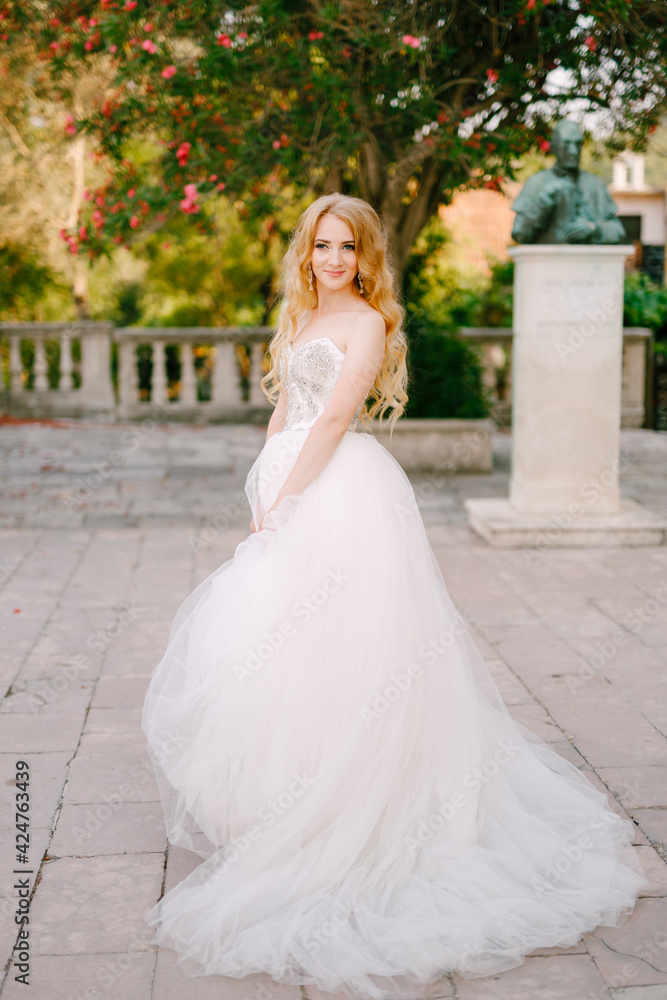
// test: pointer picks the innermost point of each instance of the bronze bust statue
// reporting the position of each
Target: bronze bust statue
(565, 204)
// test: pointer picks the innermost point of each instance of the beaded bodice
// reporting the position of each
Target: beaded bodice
(312, 372)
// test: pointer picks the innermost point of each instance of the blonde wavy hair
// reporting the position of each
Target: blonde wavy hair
(389, 387)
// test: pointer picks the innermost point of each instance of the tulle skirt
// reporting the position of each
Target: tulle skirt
(328, 738)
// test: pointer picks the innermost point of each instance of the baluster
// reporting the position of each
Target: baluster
(15, 364)
(41, 368)
(226, 385)
(257, 396)
(188, 376)
(66, 366)
(128, 373)
(159, 378)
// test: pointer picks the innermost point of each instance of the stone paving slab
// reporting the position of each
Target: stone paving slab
(92, 571)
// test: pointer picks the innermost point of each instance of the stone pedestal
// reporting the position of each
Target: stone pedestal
(566, 405)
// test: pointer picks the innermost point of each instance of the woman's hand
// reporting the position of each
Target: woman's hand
(278, 500)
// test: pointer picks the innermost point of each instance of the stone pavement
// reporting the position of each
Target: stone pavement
(106, 528)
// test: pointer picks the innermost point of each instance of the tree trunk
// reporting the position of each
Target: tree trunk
(80, 269)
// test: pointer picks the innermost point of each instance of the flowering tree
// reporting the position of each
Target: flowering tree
(399, 102)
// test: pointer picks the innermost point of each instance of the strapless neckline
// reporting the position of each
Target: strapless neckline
(314, 341)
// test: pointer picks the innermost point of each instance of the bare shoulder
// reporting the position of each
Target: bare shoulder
(367, 329)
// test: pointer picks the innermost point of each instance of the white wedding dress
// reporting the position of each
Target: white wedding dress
(326, 735)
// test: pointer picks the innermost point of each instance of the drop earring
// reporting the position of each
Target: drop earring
(360, 281)
(310, 277)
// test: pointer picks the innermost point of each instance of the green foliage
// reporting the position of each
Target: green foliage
(645, 304)
(445, 373)
(180, 277)
(29, 289)
(489, 305)
(451, 295)
(400, 103)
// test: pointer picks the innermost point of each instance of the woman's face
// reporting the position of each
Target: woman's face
(334, 257)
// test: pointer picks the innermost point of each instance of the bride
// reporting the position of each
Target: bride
(323, 729)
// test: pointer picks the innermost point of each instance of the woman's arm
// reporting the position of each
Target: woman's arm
(363, 361)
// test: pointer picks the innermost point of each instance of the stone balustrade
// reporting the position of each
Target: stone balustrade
(224, 394)
(495, 347)
(201, 374)
(44, 377)
(57, 369)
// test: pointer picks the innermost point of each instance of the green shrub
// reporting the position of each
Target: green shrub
(445, 373)
(645, 304)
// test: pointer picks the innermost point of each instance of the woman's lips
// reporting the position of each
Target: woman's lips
(335, 274)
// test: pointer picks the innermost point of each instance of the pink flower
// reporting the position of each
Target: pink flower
(591, 43)
(134, 221)
(82, 232)
(149, 46)
(220, 187)
(314, 35)
(131, 193)
(73, 248)
(190, 191)
(213, 177)
(99, 201)
(62, 234)
(545, 145)
(93, 22)
(189, 206)
(113, 49)
(54, 46)
(276, 143)
(242, 34)
(492, 75)
(86, 195)
(148, 26)
(70, 127)
(88, 45)
(410, 40)
(130, 4)
(182, 153)
(168, 72)
(224, 40)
